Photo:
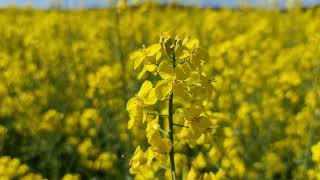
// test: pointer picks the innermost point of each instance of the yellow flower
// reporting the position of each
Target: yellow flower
(159, 146)
(172, 80)
(196, 121)
(138, 160)
(148, 57)
(105, 161)
(136, 105)
(199, 162)
(71, 177)
(315, 149)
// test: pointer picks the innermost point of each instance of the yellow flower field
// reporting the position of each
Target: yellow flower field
(160, 92)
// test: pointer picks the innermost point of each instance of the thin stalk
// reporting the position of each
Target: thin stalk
(172, 165)
(180, 125)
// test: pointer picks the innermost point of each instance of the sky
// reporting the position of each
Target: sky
(95, 3)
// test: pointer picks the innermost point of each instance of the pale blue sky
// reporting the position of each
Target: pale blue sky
(90, 3)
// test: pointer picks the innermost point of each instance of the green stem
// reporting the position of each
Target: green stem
(172, 165)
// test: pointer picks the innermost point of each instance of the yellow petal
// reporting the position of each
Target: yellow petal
(165, 70)
(195, 132)
(138, 58)
(142, 73)
(192, 43)
(150, 155)
(130, 123)
(153, 49)
(167, 145)
(158, 56)
(136, 114)
(145, 88)
(163, 89)
(150, 98)
(155, 139)
(151, 67)
(195, 61)
(152, 127)
(131, 104)
(147, 68)
(202, 54)
(182, 72)
(181, 90)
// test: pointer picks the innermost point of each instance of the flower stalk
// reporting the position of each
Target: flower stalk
(171, 154)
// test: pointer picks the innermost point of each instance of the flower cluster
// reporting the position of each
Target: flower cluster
(174, 99)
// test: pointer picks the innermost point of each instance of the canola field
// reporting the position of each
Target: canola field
(160, 92)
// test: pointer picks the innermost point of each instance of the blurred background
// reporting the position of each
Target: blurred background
(102, 3)
(66, 76)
